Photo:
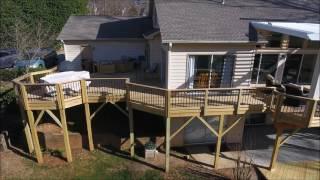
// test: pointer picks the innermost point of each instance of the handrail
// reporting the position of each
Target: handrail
(170, 100)
(44, 71)
(147, 86)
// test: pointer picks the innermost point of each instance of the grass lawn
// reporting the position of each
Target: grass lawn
(87, 165)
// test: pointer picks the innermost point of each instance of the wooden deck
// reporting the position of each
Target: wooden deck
(192, 103)
(298, 171)
(168, 103)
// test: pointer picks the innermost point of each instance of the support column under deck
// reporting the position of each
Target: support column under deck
(62, 112)
(131, 128)
(65, 134)
(87, 113)
(167, 144)
(89, 127)
(35, 137)
(218, 145)
(276, 148)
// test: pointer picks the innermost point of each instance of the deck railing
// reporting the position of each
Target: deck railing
(296, 109)
(147, 95)
(167, 102)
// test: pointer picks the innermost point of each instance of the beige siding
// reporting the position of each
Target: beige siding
(101, 51)
(177, 61)
(242, 68)
(72, 57)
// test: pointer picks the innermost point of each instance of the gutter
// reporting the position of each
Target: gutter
(213, 42)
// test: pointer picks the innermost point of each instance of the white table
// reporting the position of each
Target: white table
(64, 78)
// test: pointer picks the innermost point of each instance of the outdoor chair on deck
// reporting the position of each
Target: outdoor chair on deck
(295, 90)
(271, 82)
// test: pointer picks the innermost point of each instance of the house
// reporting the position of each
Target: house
(206, 43)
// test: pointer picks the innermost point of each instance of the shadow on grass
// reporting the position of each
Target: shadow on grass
(112, 151)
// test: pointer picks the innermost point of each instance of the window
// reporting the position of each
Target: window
(204, 71)
(264, 64)
(299, 68)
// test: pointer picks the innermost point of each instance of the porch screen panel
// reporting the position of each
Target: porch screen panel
(307, 68)
(292, 68)
(263, 65)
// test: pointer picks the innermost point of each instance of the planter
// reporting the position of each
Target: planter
(150, 150)
(150, 154)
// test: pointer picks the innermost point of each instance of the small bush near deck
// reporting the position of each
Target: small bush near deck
(10, 74)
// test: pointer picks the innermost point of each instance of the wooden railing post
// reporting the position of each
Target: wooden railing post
(239, 101)
(205, 102)
(311, 110)
(60, 101)
(271, 100)
(33, 129)
(31, 78)
(278, 107)
(84, 95)
(168, 103)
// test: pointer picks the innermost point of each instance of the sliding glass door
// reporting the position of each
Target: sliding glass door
(206, 71)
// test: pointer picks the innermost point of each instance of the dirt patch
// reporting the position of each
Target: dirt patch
(13, 165)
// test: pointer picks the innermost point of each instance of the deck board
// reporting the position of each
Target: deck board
(301, 170)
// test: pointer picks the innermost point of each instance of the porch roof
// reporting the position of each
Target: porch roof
(310, 31)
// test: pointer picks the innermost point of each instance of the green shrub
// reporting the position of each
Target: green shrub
(10, 74)
(7, 98)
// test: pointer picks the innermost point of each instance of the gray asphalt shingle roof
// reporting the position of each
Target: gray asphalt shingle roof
(208, 21)
(104, 27)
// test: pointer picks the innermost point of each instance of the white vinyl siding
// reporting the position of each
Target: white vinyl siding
(101, 51)
(243, 53)
(242, 68)
(72, 57)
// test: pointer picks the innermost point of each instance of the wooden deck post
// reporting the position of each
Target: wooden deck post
(33, 129)
(167, 144)
(218, 145)
(239, 101)
(35, 137)
(131, 127)
(60, 100)
(26, 128)
(87, 113)
(276, 148)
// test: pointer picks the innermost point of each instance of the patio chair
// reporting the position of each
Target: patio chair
(271, 82)
(295, 90)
